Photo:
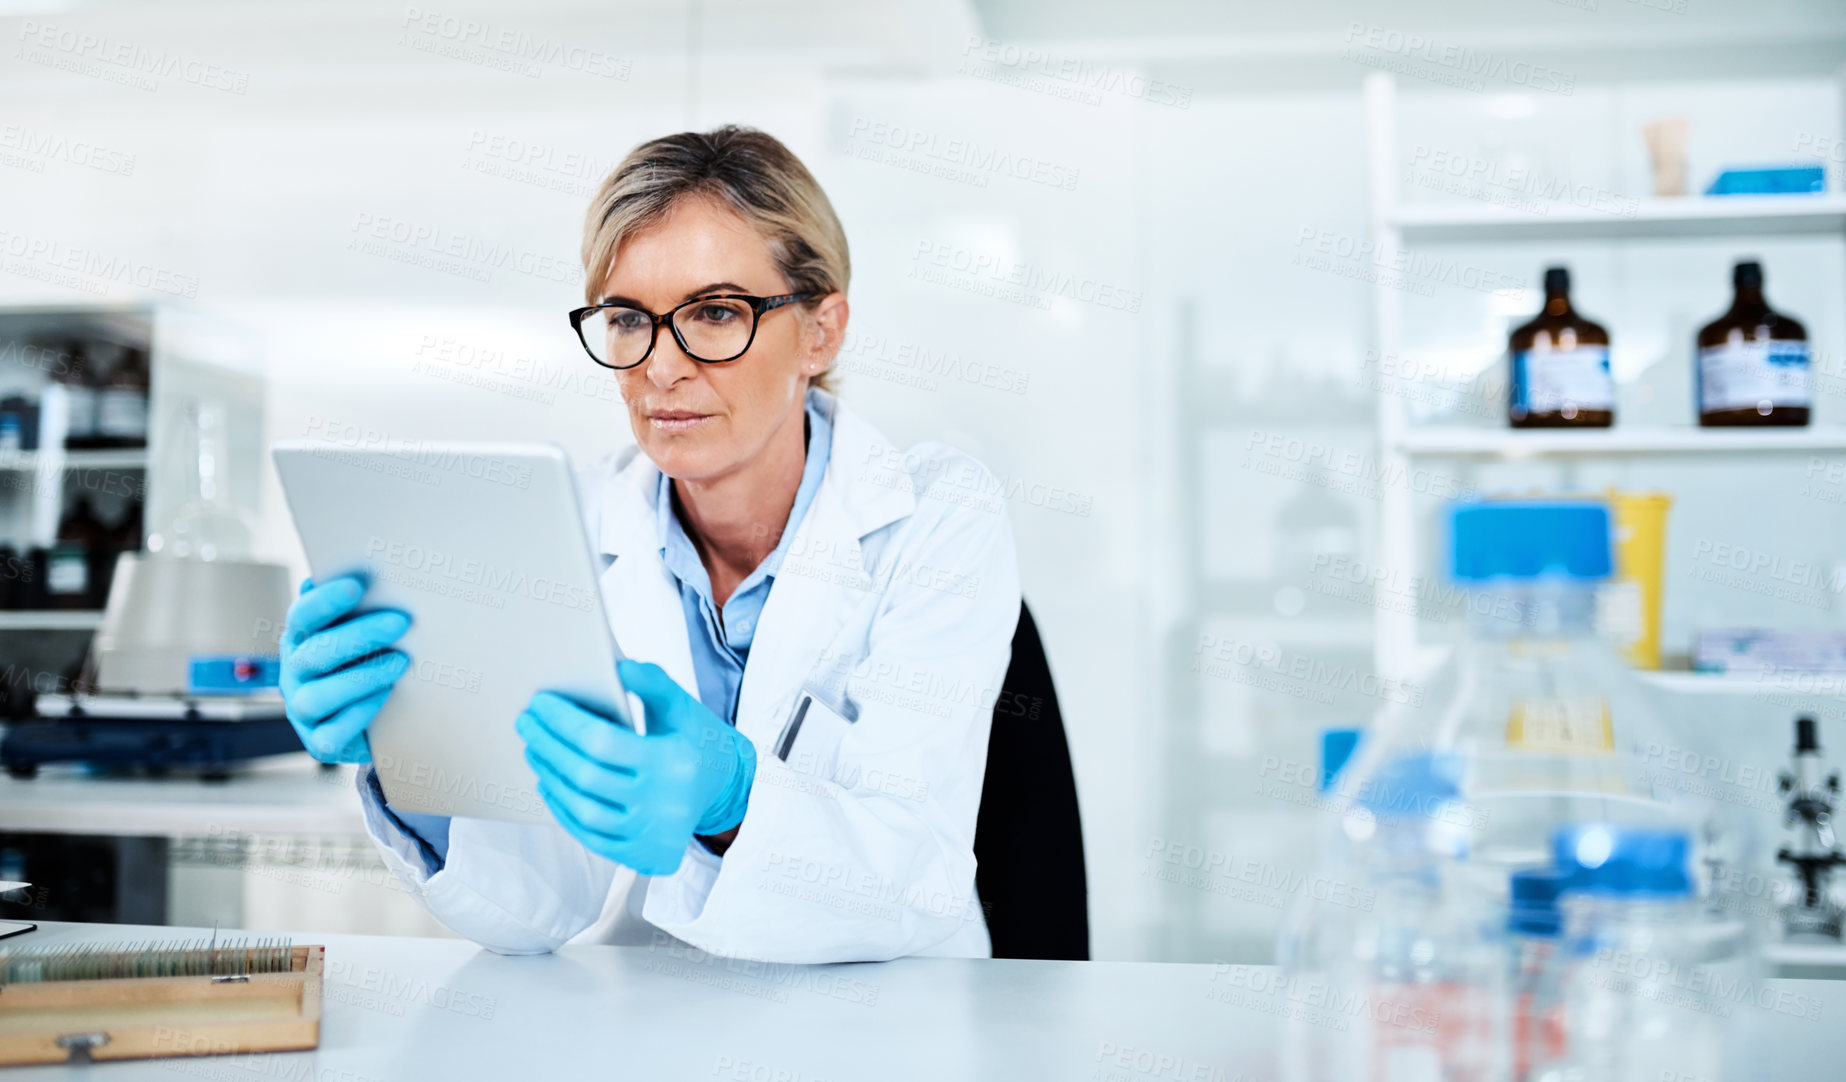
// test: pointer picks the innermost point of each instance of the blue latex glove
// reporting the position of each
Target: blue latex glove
(638, 800)
(328, 691)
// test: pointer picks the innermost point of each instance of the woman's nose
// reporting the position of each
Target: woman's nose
(669, 364)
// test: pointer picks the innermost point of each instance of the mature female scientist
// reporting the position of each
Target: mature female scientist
(761, 547)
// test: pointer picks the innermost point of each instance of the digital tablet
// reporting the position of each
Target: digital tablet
(484, 546)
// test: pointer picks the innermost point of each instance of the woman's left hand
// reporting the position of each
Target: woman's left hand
(639, 800)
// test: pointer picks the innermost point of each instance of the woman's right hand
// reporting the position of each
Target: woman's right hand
(337, 669)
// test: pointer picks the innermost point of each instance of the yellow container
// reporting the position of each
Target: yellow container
(1640, 541)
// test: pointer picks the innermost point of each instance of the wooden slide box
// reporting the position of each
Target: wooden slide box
(135, 1018)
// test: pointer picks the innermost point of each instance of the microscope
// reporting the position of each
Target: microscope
(1815, 854)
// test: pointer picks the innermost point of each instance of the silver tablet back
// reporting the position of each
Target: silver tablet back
(484, 546)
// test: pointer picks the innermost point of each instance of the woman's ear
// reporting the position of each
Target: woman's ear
(827, 330)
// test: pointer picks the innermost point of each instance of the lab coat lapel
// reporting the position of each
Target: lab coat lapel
(640, 596)
(818, 582)
(822, 578)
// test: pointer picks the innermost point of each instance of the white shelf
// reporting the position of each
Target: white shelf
(131, 458)
(290, 795)
(1704, 683)
(1808, 954)
(128, 458)
(50, 619)
(1456, 442)
(1691, 216)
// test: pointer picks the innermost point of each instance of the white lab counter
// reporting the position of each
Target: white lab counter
(414, 1009)
(281, 843)
(289, 795)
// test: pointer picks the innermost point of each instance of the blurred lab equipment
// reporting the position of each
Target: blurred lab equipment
(183, 669)
(1533, 727)
(1666, 152)
(1770, 180)
(1650, 978)
(1640, 565)
(1770, 652)
(1629, 612)
(1560, 365)
(1816, 851)
(1753, 364)
(1534, 926)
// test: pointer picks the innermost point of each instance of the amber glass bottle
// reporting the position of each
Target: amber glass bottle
(121, 404)
(1560, 366)
(1753, 362)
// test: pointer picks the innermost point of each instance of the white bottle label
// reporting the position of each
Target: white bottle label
(1754, 375)
(1562, 380)
(69, 573)
(82, 411)
(122, 413)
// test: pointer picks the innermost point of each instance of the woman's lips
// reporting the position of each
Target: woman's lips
(676, 421)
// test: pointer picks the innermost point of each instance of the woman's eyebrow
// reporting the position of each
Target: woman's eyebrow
(715, 287)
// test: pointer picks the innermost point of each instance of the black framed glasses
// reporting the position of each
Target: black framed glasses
(712, 329)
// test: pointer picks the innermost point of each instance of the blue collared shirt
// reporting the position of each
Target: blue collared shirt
(720, 635)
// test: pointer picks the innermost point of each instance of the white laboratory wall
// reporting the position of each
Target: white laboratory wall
(1151, 512)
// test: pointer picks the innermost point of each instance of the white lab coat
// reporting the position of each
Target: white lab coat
(896, 600)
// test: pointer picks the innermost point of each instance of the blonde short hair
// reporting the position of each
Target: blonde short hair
(747, 170)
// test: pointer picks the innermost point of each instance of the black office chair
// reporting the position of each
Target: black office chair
(1028, 837)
